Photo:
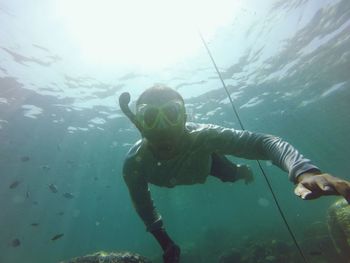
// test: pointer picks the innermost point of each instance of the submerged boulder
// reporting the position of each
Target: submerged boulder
(109, 257)
(339, 226)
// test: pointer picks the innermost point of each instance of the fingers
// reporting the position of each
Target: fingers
(314, 190)
(303, 192)
(339, 186)
(325, 184)
(247, 174)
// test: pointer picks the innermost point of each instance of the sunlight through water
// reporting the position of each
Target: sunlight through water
(148, 34)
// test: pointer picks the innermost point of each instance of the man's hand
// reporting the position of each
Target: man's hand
(244, 172)
(171, 254)
(314, 185)
(171, 250)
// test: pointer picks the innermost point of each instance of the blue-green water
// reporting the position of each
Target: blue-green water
(286, 65)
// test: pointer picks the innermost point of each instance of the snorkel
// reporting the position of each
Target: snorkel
(124, 100)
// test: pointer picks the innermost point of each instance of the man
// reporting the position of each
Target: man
(173, 152)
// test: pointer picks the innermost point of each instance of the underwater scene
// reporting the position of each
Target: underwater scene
(283, 66)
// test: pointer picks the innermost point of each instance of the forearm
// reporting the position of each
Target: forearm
(286, 157)
(143, 203)
(162, 237)
(260, 146)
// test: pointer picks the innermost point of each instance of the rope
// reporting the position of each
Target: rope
(259, 164)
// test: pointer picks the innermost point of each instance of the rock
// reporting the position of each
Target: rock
(339, 226)
(316, 228)
(109, 257)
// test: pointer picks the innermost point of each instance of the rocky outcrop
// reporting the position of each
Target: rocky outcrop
(106, 257)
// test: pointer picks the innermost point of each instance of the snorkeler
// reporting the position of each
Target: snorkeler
(175, 152)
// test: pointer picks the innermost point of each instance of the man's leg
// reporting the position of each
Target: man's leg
(227, 171)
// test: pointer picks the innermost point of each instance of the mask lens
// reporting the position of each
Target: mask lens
(150, 116)
(172, 113)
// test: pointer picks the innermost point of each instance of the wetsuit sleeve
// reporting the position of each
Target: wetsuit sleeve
(259, 146)
(141, 197)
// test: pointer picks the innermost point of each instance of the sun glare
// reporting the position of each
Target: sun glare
(150, 34)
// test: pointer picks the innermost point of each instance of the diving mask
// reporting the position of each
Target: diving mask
(172, 112)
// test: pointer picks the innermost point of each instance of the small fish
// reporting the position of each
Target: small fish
(27, 194)
(34, 224)
(68, 195)
(25, 158)
(60, 213)
(14, 184)
(45, 167)
(58, 236)
(15, 242)
(35, 202)
(53, 188)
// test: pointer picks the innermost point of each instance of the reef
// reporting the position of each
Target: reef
(265, 246)
(322, 241)
(109, 257)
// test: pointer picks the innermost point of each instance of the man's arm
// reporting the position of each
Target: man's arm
(311, 182)
(143, 203)
(249, 145)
